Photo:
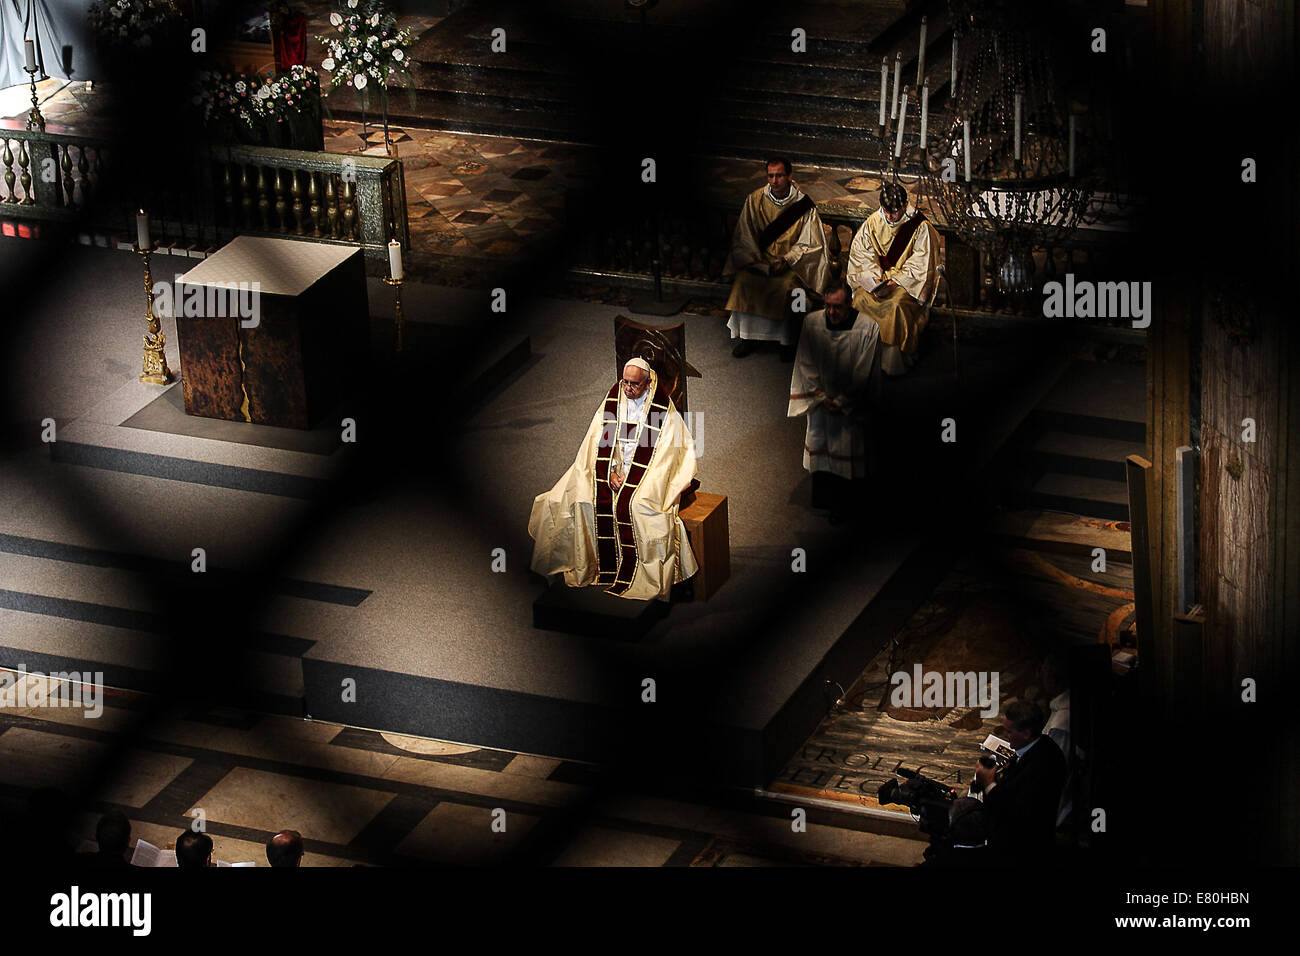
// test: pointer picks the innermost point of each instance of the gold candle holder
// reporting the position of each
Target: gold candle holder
(34, 118)
(155, 360)
(397, 308)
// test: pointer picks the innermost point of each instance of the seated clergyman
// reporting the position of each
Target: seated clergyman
(778, 245)
(611, 520)
(892, 269)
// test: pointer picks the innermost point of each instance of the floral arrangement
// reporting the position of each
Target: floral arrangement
(131, 22)
(289, 93)
(251, 98)
(368, 48)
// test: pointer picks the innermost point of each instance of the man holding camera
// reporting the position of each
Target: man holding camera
(1022, 799)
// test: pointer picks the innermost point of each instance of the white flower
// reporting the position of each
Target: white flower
(374, 20)
(398, 55)
(352, 4)
(368, 57)
(263, 92)
(240, 86)
(360, 81)
(335, 20)
(328, 64)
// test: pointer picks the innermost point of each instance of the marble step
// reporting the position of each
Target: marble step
(1103, 399)
(1086, 455)
(1081, 495)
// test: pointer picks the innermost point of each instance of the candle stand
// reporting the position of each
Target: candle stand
(155, 361)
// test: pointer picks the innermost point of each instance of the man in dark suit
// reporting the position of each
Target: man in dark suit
(1022, 803)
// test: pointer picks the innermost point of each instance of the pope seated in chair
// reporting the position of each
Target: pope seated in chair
(611, 520)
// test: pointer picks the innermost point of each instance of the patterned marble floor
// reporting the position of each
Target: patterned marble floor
(999, 610)
(360, 797)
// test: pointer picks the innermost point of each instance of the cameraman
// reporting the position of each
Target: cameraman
(965, 842)
(1023, 799)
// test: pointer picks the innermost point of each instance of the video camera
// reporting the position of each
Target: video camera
(926, 798)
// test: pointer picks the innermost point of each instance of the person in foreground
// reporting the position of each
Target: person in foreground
(1022, 803)
(611, 520)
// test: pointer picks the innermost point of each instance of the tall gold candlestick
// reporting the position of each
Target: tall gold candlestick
(34, 118)
(155, 360)
(397, 309)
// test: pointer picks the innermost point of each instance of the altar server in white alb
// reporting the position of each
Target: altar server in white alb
(611, 520)
(893, 272)
(777, 247)
(835, 383)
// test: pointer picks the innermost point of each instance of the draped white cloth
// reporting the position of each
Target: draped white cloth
(53, 26)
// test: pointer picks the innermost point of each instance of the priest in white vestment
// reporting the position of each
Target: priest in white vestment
(893, 273)
(611, 520)
(777, 247)
(836, 379)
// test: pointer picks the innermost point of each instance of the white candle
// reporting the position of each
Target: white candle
(1071, 145)
(925, 111)
(898, 69)
(965, 138)
(395, 258)
(30, 49)
(884, 87)
(902, 121)
(1017, 154)
(920, 60)
(952, 84)
(142, 231)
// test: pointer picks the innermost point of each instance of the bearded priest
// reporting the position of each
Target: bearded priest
(892, 270)
(611, 520)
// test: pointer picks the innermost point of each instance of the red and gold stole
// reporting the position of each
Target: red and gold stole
(901, 238)
(616, 546)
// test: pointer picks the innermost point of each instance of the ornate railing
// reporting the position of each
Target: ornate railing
(327, 197)
(693, 243)
(48, 174)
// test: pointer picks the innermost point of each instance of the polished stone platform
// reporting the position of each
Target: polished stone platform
(137, 431)
(593, 613)
(433, 640)
(143, 429)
